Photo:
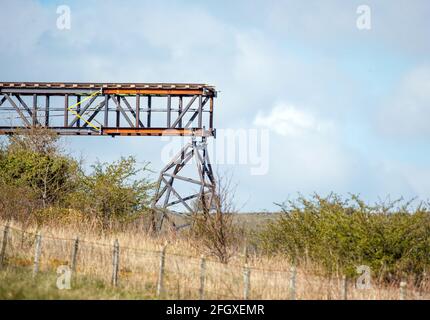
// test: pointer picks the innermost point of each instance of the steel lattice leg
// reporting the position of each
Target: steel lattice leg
(168, 196)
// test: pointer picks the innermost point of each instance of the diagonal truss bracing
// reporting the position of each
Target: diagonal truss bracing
(168, 195)
(108, 108)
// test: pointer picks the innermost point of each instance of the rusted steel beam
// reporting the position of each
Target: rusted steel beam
(92, 85)
(161, 92)
(196, 113)
(24, 105)
(18, 110)
(55, 88)
(106, 111)
(34, 118)
(137, 114)
(81, 112)
(183, 112)
(169, 111)
(27, 105)
(66, 109)
(211, 114)
(156, 131)
(94, 114)
(148, 117)
(78, 110)
(117, 131)
(47, 111)
(121, 110)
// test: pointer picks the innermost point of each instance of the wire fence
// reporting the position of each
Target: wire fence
(165, 275)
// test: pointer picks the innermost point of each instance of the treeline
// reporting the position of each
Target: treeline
(393, 239)
(40, 182)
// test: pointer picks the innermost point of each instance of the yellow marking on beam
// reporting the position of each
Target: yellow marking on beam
(79, 116)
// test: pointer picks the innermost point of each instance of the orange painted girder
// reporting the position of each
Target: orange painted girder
(163, 92)
(164, 132)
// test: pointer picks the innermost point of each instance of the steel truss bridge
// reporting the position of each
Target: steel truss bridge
(124, 109)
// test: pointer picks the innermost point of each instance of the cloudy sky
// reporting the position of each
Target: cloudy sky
(345, 109)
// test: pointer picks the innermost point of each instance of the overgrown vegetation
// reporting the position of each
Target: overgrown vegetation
(341, 234)
(34, 163)
(214, 231)
(112, 192)
(40, 183)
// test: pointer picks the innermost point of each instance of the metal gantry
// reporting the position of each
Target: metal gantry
(123, 109)
(202, 199)
(109, 108)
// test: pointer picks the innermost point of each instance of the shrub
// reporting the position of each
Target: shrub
(341, 234)
(34, 162)
(113, 192)
(214, 230)
(40, 183)
(18, 203)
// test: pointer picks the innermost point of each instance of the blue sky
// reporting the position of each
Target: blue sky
(347, 109)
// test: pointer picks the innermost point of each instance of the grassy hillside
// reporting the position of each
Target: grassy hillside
(270, 276)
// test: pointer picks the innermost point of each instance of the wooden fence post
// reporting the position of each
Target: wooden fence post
(423, 279)
(115, 263)
(247, 282)
(160, 284)
(74, 258)
(202, 277)
(245, 253)
(402, 290)
(38, 247)
(3, 245)
(293, 275)
(344, 288)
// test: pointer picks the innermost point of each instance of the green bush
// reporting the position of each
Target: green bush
(39, 182)
(341, 234)
(113, 191)
(34, 162)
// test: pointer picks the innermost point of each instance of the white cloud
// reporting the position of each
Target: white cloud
(306, 150)
(288, 120)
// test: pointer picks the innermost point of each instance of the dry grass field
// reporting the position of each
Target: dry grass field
(139, 265)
